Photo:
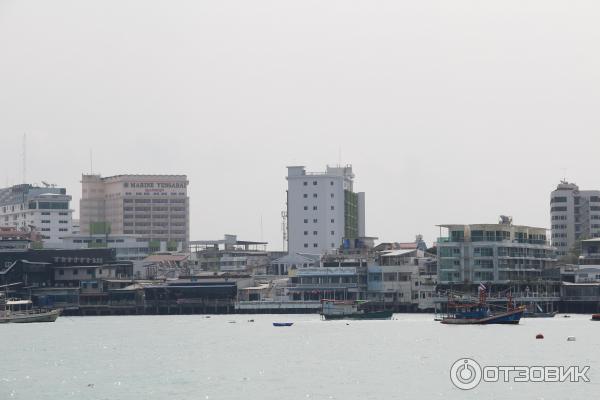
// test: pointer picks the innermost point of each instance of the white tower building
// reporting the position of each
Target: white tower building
(323, 210)
(575, 214)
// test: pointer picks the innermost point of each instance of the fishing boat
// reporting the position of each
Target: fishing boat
(22, 311)
(339, 309)
(283, 323)
(480, 313)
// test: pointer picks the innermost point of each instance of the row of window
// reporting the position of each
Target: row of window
(316, 245)
(315, 183)
(305, 195)
(317, 232)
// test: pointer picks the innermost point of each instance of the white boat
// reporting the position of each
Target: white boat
(22, 311)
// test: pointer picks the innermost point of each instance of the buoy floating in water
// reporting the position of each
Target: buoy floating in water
(571, 339)
(539, 336)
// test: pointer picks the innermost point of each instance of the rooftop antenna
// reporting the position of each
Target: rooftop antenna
(24, 158)
(564, 170)
(339, 156)
(261, 228)
(91, 163)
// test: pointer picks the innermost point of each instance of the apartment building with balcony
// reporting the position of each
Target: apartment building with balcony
(495, 253)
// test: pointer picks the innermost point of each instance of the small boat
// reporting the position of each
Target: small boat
(338, 309)
(528, 314)
(22, 311)
(283, 323)
(595, 317)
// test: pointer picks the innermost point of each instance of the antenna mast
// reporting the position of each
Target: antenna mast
(24, 158)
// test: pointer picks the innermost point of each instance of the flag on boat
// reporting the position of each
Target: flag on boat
(482, 287)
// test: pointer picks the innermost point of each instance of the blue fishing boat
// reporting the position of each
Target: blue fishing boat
(480, 313)
(283, 323)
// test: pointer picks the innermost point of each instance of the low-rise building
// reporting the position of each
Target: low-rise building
(403, 280)
(230, 255)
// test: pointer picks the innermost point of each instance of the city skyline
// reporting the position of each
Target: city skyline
(411, 105)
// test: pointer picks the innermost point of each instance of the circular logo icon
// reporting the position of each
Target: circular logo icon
(465, 373)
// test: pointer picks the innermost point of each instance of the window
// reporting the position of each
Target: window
(61, 271)
(315, 220)
(305, 184)
(314, 195)
(63, 222)
(63, 230)
(315, 245)
(305, 244)
(332, 245)
(332, 195)
(306, 221)
(332, 220)
(314, 208)
(331, 183)
(90, 271)
(75, 271)
(332, 233)
(305, 195)
(332, 208)
(314, 183)
(305, 208)
(315, 233)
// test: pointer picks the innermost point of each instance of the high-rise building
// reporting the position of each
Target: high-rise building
(323, 211)
(497, 253)
(574, 214)
(155, 206)
(45, 209)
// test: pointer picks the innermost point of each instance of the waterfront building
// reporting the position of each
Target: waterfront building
(496, 253)
(281, 265)
(403, 280)
(574, 214)
(44, 209)
(324, 212)
(230, 255)
(128, 247)
(156, 206)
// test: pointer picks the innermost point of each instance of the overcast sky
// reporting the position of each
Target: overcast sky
(449, 111)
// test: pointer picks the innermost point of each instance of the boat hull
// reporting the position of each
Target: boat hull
(539, 315)
(283, 323)
(510, 318)
(381, 315)
(16, 318)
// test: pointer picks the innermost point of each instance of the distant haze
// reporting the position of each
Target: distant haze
(449, 111)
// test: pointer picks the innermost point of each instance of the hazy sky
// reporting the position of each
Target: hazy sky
(449, 111)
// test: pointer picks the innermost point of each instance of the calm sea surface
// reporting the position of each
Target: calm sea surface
(194, 357)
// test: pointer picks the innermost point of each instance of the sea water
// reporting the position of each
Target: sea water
(245, 357)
